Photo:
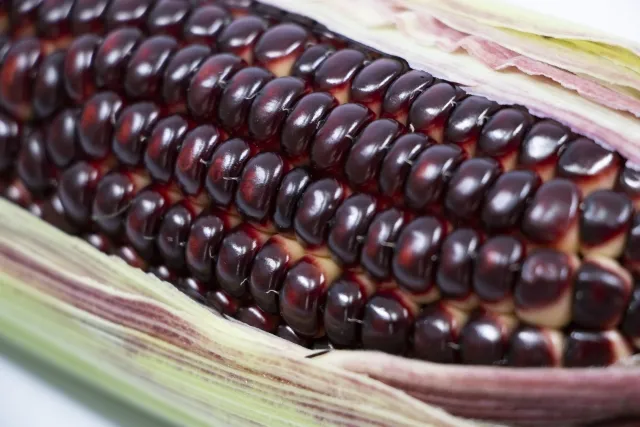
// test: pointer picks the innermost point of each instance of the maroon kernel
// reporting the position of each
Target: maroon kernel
(223, 303)
(605, 221)
(466, 121)
(532, 347)
(132, 130)
(163, 147)
(258, 186)
(629, 184)
(584, 160)
(310, 60)
(287, 333)
(386, 325)
(344, 308)
(227, 163)
(378, 248)
(436, 334)
(541, 147)
(416, 253)
(173, 234)
(17, 76)
(507, 199)
(349, 228)
(129, 13)
(280, 46)
(9, 141)
(113, 56)
(431, 109)
(497, 268)
(455, 269)
(241, 35)
(233, 264)
(631, 321)
(113, 197)
(484, 340)
(467, 188)
(48, 87)
(368, 151)
(97, 123)
(503, 134)
(78, 67)
(254, 316)
(143, 77)
(33, 166)
(315, 210)
(205, 25)
(370, 84)
(77, 189)
(87, 16)
(202, 246)
(335, 137)
(268, 271)
(143, 220)
(207, 84)
(303, 121)
(430, 174)
(177, 76)
(402, 92)
(602, 291)
(194, 157)
(54, 18)
(168, 17)
(591, 349)
(291, 189)
(631, 254)
(237, 98)
(193, 288)
(397, 162)
(336, 73)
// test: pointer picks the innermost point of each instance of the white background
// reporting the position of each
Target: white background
(34, 397)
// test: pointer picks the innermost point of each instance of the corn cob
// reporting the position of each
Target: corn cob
(316, 189)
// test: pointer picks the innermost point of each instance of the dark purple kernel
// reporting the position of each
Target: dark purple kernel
(225, 168)
(629, 182)
(54, 213)
(241, 34)
(208, 83)
(416, 254)
(23, 14)
(87, 16)
(111, 203)
(386, 325)
(33, 167)
(238, 95)
(233, 263)
(258, 186)
(194, 157)
(308, 63)
(335, 137)
(430, 111)
(143, 220)
(504, 132)
(97, 122)
(54, 18)
(349, 227)
(588, 349)
(280, 42)
(544, 278)
(397, 162)
(9, 141)
(48, 88)
(202, 246)
(467, 119)
(344, 308)
(17, 75)
(177, 75)
(552, 212)
(584, 158)
(367, 153)
(507, 200)
(194, 288)
(78, 67)
(542, 143)
(291, 189)
(254, 316)
(631, 254)
(303, 121)
(467, 188)
(430, 174)
(163, 147)
(497, 268)
(378, 247)
(222, 302)
(482, 341)
(600, 296)
(338, 69)
(455, 269)
(143, 77)
(631, 322)
(77, 188)
(132, 130)
(435, 335)
(112, 57)
(316, 209)
(270, 107)
(131, 13)
(168, 17)
(530, 348)
(205, 25)
(267, 275)
(173, 234)
(371, 83)
(303, 293)
(605, 215)
(287, 333)
(403, 91)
